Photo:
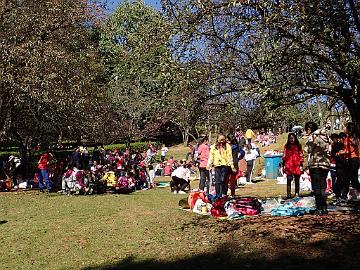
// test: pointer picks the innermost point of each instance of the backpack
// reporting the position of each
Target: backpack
(249, 206)
(218, 209)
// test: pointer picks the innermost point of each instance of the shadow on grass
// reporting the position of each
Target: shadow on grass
(231, 256)
(3, 221)
(310, 242)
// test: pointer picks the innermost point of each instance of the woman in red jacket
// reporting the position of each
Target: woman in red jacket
(293, 159)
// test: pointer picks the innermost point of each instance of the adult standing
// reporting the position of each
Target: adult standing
(164, 150)
(251, 154)
(318, 149)
(203, 157)
(249, 135)
(43, 172)
(293, 159)
(351, 154)
(236, 155)
(221, 158)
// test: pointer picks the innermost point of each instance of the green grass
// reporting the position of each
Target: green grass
(146, 230)
(143, 230)
(89, 230)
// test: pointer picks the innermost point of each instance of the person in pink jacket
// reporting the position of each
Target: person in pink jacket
(203, 156)
(293, 159)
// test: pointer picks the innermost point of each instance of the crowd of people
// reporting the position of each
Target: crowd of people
(336, 154)
(220, 165)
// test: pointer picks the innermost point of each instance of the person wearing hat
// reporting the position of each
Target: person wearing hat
(221, 158)
(43, 172)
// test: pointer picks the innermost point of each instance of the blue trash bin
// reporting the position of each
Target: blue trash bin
(272, 165)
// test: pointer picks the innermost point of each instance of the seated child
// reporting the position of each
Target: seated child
(109, 178)
(68, 180)
(159, 169)
(167, 169)
(125, 184)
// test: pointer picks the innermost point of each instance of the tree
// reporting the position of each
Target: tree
(49, 73)
(281, 52)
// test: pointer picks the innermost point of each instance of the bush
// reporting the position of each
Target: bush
(136, 146)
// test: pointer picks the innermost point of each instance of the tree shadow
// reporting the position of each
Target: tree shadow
(310, 243)
(224, 258)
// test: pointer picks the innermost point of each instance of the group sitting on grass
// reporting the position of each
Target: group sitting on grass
(112, 171)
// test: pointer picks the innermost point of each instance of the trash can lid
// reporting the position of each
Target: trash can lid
(275, 155)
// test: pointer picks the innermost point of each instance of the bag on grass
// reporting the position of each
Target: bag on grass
(194, 196)
(218, 209)
(249, 206)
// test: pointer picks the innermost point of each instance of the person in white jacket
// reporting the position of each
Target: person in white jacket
(180, 179)
(251, 154)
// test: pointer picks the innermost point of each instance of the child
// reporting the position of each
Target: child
(159, 169)
(167, 169)
(125, 184)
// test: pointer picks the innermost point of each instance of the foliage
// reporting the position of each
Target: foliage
(277, 52)
(138, 63)
(135, 146)
(49, 74)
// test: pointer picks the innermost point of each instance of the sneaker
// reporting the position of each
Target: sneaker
(318, 212)
(182, 192)
(175, 192)
(249, 183)
(324, 212)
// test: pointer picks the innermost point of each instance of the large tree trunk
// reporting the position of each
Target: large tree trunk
(355, 117)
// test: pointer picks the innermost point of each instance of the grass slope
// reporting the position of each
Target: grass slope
(145, 230)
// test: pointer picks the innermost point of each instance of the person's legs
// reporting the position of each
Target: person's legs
(353, 173)
(339, 183)
(45, 175)
(289, 179)
(175, 185)
(183, 184)
(224, 171)
(297, 185)
(346, 181)
(249, 170)
(15, 176)
(218, 180)
(318, 181)
(323, 185)
(41, 179)
(203, 173)
(315, 185)
(232, 182)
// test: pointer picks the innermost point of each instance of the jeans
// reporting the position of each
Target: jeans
(249, 169)
(220, 180)
(44, 175)
(179, 184)
(318, 183)
(204, 179)
(351, 173)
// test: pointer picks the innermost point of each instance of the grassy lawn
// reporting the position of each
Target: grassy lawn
(146, 230)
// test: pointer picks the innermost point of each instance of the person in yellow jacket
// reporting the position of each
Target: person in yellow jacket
(249, 135)
(109, 178)
(221, 158)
